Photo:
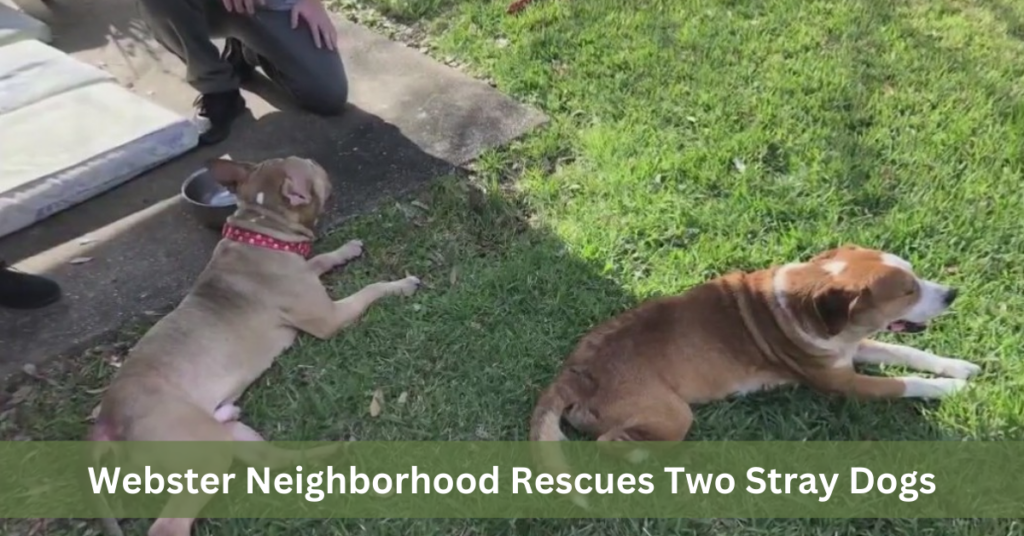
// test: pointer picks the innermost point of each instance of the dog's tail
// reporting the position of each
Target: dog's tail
(546, 431)
(546, 422)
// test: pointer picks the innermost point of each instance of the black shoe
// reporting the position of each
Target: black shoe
(19, 290)
(235, 54)
(220, 110)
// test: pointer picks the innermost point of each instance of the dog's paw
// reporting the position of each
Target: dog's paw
(353, 249)
(958, 368)
(407, 286)
(915, 387)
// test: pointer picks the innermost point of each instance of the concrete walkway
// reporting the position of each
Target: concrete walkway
(411, 120)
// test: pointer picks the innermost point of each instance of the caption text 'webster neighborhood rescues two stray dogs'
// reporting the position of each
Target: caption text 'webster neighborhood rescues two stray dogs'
(180, 382)
(634, 377)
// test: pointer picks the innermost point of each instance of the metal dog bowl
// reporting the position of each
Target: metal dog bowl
(207, 200)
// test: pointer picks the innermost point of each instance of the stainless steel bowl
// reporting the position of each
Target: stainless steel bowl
(207, 200)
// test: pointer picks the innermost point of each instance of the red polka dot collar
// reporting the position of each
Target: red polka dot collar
(253, 238)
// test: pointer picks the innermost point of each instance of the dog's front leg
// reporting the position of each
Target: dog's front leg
(325, 262)
(850, 383)
(346, 311)
(880, 353)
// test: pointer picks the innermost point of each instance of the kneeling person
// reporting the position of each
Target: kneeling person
(293, 41)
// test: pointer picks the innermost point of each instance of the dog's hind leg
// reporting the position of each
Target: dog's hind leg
(184, 422)
(667, 420)
(672, 424)
(325, 262)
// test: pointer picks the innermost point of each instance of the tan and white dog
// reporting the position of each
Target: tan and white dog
(182, 379)
(634, 377)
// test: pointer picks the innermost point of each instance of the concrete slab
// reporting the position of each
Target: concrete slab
(41, 87)
(31, 71)
(411, 120)
(16, 26)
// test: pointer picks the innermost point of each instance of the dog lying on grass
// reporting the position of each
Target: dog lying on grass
(259, 290)
(634, 377)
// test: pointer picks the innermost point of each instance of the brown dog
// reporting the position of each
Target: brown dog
(635, 376)
(182, 379)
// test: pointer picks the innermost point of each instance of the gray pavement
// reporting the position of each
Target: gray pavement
(411, 120)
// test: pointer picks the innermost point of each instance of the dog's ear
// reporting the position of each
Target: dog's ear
(835, 307)
(229, 173)
(297, 189)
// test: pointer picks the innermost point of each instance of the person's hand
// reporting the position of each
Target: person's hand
(320, 25)
(242, 7)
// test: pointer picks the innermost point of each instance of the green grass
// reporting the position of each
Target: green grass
(686, 139)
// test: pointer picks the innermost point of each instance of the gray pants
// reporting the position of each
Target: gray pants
(314, 78)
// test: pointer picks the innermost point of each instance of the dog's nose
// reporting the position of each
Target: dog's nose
(950, 296)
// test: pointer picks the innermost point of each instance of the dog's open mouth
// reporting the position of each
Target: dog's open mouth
(906, 326)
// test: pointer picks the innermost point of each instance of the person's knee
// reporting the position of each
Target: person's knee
(325, 97)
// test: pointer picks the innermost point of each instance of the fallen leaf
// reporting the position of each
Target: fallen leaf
(454, 276)
(80, 260)
(95, 391)
(517, 6)
(420, 205)
(94, 413)
(403, 397)
(377, 403)
(738, 163)
(21, 395)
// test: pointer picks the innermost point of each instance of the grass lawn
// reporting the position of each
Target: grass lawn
(687, 139)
